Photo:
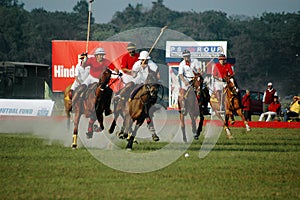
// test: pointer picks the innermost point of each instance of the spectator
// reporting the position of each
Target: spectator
(246, 102)
(293, 110)
(273, 110)
(268, 96)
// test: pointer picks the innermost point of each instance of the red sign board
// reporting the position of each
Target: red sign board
(65, 58)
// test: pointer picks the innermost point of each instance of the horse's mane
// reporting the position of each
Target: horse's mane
(152, 77)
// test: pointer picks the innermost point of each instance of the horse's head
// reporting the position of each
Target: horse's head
(105, 76)
(152, 77)
(197, 83)
(229, 83)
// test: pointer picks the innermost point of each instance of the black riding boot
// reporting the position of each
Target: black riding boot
(108, 111)
(206, 99)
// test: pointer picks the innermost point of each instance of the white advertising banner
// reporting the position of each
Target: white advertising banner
(198, 49)
(26, 107)
(204, 51)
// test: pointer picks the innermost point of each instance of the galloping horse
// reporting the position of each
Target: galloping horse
(194, 99)
(138, 108)
(88, 102)
(232, 105)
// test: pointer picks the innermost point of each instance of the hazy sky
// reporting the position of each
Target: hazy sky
(104, 10)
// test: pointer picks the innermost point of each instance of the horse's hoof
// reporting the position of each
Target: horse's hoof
(126, 136)
(120, 135)
(184, 140)
(232, 122)
(135, 141)
(155, 138)
(97, 128)
(89, 135)
(74, 146)
(196, 137)
(229, 136)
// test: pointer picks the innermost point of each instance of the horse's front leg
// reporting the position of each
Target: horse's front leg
(89, 133)
(182, 125)
(200, 125)
(75, 131)
(226, 128)
(132, 136)
(151, 128)
(150, 125)
(127, 127)
(240, 113)
(117, 113)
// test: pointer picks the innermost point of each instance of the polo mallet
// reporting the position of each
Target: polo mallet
(89, 24)
(160, 34)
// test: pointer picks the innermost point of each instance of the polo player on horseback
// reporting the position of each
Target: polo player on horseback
(140, 72)
(223, 70)
(97, 65)
(81, 73)
(187, 68)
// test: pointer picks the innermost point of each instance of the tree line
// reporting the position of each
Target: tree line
(266, 48)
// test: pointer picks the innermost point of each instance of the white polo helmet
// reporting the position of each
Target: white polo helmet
(99, 51)
(144, 55)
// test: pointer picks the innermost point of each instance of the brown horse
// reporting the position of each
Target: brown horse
(89, 102)
(68, 105)
(194, 99)
(138, 109)
(232, 105)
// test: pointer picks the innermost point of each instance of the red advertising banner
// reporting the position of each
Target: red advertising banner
(65, 57)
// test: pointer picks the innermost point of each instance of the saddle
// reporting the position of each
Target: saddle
(91, 88)
(135, 91)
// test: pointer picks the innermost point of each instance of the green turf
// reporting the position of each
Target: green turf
(263, 164)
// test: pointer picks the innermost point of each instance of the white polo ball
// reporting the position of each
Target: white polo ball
(186, 155)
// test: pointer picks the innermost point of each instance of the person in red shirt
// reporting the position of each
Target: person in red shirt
(273, 110)
(246, 102)
(219, 72)
(97, 65)
(268, 97)
(129, 59)
(222, 68)
(127, 63)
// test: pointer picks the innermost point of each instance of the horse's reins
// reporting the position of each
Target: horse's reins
(108, 85)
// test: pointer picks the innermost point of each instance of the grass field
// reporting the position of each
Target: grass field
(263, 164)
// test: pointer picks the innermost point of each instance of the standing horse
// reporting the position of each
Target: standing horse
(88, 102)
(138, 108)
(193, 100)
(232, 105)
